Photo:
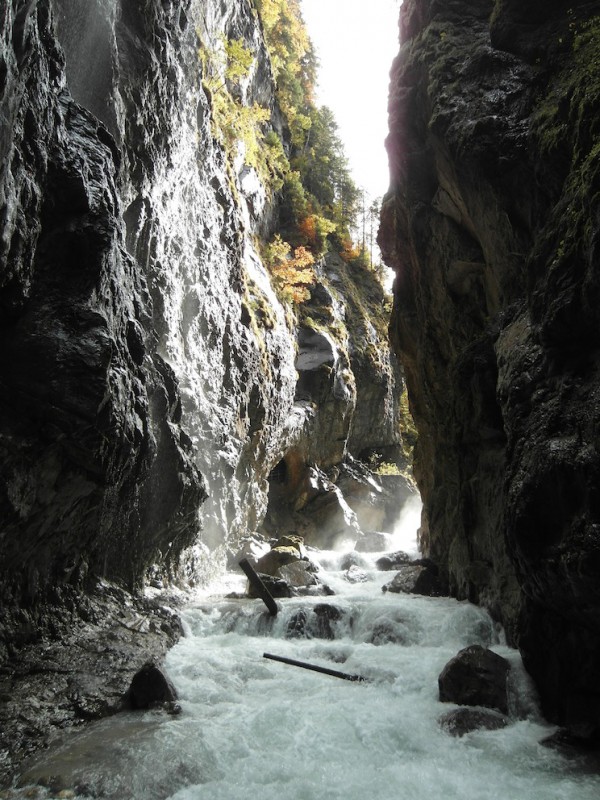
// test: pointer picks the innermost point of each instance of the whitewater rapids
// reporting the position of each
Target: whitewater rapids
(254, 728)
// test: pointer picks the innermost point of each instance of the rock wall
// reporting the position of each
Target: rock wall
(492, 226)
(149, 373)
(151, 378)
(121, 241)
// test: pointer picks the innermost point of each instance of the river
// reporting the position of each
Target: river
(256, 728)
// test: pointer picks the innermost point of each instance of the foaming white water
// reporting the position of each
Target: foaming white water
(255, 728)
(404, 536)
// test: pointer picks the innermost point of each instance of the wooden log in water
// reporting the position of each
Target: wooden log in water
(325, 670)
(259, 587)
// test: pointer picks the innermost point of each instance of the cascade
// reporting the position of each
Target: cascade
(252, 727)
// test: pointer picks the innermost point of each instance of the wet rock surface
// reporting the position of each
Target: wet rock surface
(464, 720)
(492, 226)
(146, 398)
(415, 578)
(476, 677)
(391, 561)
(73, 663)
(150, 687)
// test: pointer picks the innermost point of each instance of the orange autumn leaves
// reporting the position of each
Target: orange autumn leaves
(293, 274)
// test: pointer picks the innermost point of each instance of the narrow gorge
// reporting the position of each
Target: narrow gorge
(198, 361)
(163, 398)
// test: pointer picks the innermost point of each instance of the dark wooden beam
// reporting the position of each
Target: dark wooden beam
(325, 670)
(259, 587)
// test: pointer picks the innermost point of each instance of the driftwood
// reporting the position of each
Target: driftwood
(259, 587)
(325, 670)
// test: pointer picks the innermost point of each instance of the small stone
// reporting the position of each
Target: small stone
(464, 720)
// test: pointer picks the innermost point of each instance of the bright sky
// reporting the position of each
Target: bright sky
(356, 42)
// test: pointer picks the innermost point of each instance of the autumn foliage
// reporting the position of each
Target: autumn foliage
(293, 274)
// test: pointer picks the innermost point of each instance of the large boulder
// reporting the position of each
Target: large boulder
(150, 687)
(391, 561)
(416, 579)
(372, 542)
(476, 676)
(278, 557)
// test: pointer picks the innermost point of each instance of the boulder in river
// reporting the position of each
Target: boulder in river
(150, 687)
(277, 587)
(327, 616)
(416, 579)
(476, 676)
(391, 561)
(464, 720)
(372, 542)
(352, 559)
(355, 574)
(277, 557)
(298, 574)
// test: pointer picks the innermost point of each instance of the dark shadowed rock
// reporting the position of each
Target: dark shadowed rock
(277, 587)
(464, 720)
(416, 579)
(150, 687)
(296, 627)
(583, 741)
(326, 617)
(476, 676)
(392, 561)
(318, 622)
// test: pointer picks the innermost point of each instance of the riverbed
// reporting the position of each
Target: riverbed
(251, 727)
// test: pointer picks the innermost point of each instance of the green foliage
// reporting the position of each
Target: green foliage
(387, 468)
(239, 60)
(233, 122)
(566, 129)
(319, 198)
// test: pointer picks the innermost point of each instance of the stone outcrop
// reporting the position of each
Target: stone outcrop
(492, 227)
(345, 370)
(72, 661)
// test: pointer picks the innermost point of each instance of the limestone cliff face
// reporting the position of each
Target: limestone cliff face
(492, 226)
(151, 379)
(149, 371)
(133, 382)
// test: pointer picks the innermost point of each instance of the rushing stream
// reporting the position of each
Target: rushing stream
(255, 728)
